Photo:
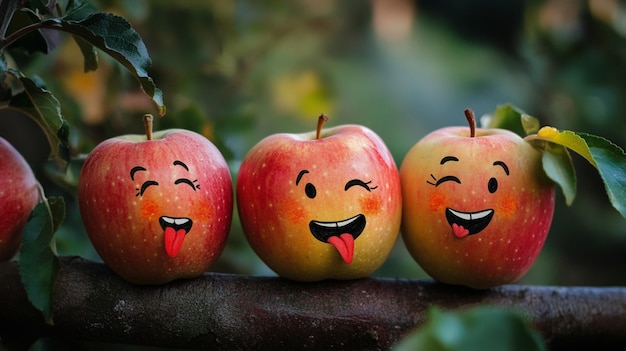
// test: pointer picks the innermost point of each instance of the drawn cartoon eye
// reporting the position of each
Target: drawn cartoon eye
(188, 182)
(443, 180)
(145, 186)
(492, 186)
(310, 191)
(358, 182)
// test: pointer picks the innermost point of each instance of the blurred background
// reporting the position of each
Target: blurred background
(237, 71)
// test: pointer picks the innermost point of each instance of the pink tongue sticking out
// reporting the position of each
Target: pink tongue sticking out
(459, 231)
(344, 244)
(174, 240)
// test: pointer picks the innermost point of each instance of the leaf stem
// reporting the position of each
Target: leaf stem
(5, 42)
(320, 123)
(531, 137)
(42, 194)
(7, 9)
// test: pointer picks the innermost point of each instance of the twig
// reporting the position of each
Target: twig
(223, 311)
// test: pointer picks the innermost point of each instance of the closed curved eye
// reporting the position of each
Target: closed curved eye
(188, 182)
(358, 182)
(443, 180)
(145, 186)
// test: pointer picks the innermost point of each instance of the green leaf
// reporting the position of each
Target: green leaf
(507, 117)
(41, 6)
(530, 124)
(479, 328)
(45, 109)
(569, 139)
(3, 67)
(608, 158)
(38, 261)
(611, 164)
(115, 36)
(41, 40)
(76, 11)
(89, 53)
(558, 165)
(5, 89)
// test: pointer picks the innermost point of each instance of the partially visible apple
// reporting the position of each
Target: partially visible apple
(19, 194)
(477, 205)
(320, 205)
(156, 207)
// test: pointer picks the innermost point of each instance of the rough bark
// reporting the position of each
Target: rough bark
(221, 311)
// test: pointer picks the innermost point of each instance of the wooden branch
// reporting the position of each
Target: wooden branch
(221, 311)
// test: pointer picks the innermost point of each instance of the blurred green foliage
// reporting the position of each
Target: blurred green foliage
(473, 329)
(237, 71)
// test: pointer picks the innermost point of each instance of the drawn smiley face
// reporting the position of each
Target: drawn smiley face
(343, 232)
(175, 228)
(464, 223)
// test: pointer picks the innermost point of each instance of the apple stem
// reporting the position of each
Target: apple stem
(147, 120)
(320, 123)
(471, 119)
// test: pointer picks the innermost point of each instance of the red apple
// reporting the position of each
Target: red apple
(320, 205)
(156, 207)
(19, 194)
(477, 205)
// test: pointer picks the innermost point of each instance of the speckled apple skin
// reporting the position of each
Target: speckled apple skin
(522, 204)
(123, 222)
(276, 212)
(19, 194)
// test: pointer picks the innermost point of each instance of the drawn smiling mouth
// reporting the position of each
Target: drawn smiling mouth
(468, 223)
(340, 234)
(176, 228)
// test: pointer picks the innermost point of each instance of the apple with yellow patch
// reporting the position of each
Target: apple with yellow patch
(477, 205)
(320, 205)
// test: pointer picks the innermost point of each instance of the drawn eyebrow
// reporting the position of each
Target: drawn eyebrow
(503, 165)
(135, 170)
(448, 158)
(180, 163)
(302, 172)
